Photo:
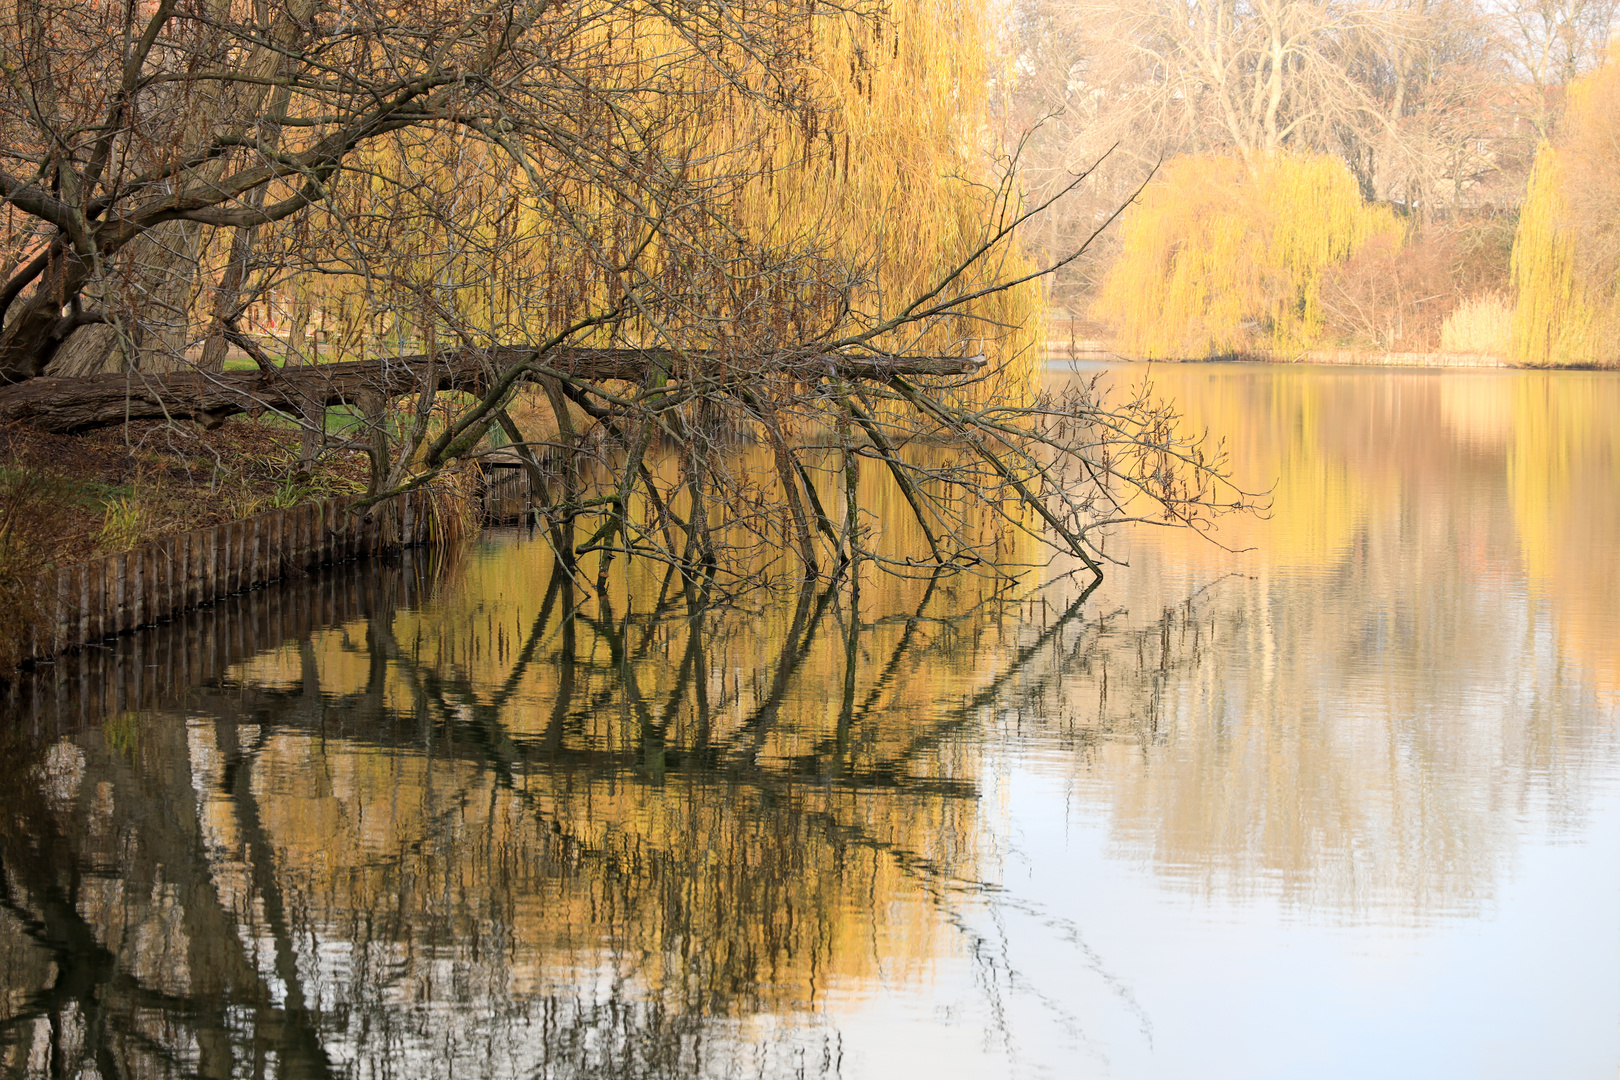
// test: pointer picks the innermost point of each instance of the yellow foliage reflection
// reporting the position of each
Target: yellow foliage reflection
(646, 833)
(1425, 631)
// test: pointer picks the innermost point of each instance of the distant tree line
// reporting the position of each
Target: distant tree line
(1434, 109)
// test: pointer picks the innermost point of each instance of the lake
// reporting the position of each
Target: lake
(1334, 792)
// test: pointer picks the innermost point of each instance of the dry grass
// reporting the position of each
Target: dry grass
(154, 480)
(67, 499)
(1481, 324)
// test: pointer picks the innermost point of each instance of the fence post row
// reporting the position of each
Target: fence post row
(160, 579)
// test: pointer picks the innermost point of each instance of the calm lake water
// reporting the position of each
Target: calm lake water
(1341, 802)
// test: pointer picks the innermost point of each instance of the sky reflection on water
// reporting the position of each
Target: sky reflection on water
(1344, 804)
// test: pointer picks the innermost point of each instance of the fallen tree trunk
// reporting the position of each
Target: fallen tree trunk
(65, 406)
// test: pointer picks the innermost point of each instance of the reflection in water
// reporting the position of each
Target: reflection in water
(448, 816)
(1421, 644)
(502, 821)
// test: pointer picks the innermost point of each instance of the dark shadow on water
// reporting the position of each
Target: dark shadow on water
(580, 843)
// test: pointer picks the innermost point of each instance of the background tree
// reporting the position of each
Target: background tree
(1222, 257)
(1549, 44)
(1435, 107)
(616, 236)
(1566, 254)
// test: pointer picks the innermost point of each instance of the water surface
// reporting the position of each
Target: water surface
(1334, 796)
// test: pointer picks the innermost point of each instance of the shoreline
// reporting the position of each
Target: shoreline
(1101, 352)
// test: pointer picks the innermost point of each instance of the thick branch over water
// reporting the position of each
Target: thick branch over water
(82, 404)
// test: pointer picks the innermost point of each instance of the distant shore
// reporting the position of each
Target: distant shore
(1103, 350)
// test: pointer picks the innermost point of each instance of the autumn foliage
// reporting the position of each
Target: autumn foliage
(1567, 249)
(1223, 255)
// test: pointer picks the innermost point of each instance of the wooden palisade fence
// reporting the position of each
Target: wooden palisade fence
(508, 496)
(165, 577)
(159, 667)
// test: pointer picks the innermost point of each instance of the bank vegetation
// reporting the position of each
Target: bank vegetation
(616, 244)
(1473, 133)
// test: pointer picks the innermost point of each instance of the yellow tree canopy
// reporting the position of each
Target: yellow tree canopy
(856, 205)
(1223, 255)
(1567, 248)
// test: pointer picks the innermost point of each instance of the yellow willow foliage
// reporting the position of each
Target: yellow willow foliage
(897, 181)
(1564, 257)
(1222, 256)
(1554, 321)
(1566, 446)
(888, 181)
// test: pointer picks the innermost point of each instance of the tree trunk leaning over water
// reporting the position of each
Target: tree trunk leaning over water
(84, 404)
(561, 193)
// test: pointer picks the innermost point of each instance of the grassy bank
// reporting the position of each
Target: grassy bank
(66, 499)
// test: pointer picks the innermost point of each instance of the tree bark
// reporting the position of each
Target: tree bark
(73, 405)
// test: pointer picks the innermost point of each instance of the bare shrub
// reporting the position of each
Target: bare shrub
(1390, 297)
(1482, 248)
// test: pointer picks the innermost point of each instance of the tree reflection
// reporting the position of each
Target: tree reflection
(462, 836)
(467, 819)
(1414, 655)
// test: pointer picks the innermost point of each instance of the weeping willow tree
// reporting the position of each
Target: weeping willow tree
(1566, 251)
(833, 214)
(903, 178)
(386, 141)
(620, 238)
(1555, 320)
(1223, 255)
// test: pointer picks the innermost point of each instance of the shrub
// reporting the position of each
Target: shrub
(1389, 295)
(1222, 255)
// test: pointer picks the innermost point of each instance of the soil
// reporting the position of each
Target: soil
(119, 487)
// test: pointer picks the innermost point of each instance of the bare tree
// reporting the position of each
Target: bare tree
(126, 133)
(1548, 43)
(1402, 93)
(533, 220)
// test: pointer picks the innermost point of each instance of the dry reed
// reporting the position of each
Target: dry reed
(1480, 324)
(34, 508)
